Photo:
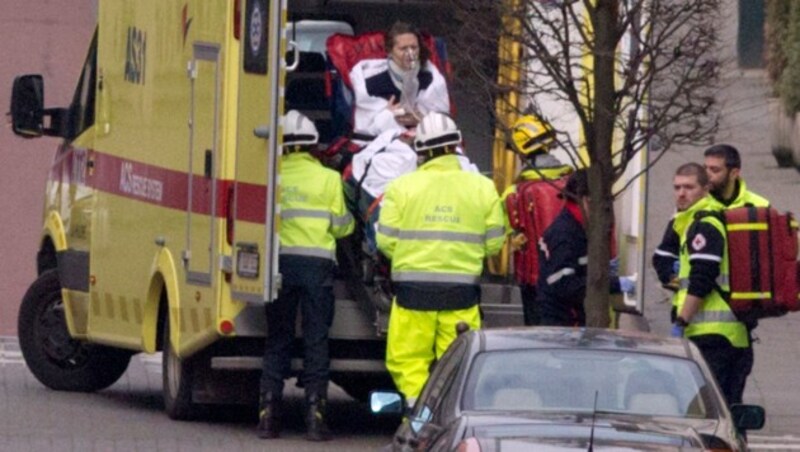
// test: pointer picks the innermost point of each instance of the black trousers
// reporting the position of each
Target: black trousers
(307, 284)
(530, 309)
(730, 365)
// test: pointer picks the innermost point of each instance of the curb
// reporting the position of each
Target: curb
(9, 351)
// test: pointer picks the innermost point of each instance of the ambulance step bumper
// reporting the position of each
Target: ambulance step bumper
(247, 363)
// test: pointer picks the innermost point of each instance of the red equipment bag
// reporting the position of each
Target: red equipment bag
(530, 211)
(762, 251)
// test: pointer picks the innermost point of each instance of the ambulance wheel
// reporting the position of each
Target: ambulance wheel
(57, 360)
(178, 382)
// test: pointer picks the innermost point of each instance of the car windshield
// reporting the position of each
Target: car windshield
(566, 380)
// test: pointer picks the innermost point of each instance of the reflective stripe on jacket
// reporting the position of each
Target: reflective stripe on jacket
(699, 252)
(313, 213)
(668, 250)
(438, 223)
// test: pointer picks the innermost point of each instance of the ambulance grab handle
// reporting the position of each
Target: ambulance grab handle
(261, 132)
(296, 51)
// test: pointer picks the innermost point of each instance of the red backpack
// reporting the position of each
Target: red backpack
(762, 251)
(531, 210)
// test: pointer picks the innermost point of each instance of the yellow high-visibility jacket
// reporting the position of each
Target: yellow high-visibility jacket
(698, 248)
(743, 198)
(438, 223)
(313, 213)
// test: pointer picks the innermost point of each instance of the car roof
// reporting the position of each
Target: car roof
(581, 338)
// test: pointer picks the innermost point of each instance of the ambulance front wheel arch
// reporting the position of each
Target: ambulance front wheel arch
(53, 240)
(46, 258)
(55, 359)
(163, 288)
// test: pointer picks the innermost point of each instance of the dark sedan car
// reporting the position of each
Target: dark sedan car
(566, 388)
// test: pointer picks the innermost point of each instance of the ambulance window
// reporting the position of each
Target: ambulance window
(82, 108)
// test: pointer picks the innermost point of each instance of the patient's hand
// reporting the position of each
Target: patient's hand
(403, 117)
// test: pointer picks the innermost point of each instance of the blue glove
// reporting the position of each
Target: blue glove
(676, 267)
(613, 266)
(677, 331)
(627, 284)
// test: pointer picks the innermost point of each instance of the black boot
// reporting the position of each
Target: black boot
(269, 416)
(315, 419)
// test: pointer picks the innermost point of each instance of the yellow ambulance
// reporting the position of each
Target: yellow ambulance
(160, 229)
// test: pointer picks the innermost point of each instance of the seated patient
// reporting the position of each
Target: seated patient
(398, 90)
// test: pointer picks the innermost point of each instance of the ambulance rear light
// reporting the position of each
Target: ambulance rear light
(226, 327)
(237, 19)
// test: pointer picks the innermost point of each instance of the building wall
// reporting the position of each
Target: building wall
(49, 37)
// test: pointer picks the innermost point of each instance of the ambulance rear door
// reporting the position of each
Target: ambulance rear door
(255, 277)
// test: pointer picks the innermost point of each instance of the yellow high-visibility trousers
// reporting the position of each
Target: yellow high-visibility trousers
(416, 338)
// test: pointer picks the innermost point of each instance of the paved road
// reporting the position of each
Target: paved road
(129, 417)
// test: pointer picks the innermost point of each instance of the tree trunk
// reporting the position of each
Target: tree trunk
(601, 212)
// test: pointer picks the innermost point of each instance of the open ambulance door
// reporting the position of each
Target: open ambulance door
(255, 277)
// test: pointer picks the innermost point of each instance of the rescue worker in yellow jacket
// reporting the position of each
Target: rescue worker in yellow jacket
(703, 314)
(690, 184)
(313, 216)
(436, 225)
(532, 138)
(724, 166)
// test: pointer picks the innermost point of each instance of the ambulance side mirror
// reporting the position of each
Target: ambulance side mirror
(27, 106)
(28, 115)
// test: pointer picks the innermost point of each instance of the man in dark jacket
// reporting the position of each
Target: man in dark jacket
(723, 165)
(561, 287)
(313, 216)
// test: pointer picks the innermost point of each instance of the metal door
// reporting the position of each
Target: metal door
(203, 141)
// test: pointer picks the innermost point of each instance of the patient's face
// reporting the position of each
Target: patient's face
(405, 51)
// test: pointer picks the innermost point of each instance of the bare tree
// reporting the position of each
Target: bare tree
(625, 73)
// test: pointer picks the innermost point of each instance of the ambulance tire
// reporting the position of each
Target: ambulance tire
(57, 360)
(178, 379)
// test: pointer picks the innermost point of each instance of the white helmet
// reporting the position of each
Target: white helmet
(436, 130)
(298, 129)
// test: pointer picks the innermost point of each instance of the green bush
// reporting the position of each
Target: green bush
(790, 77)
(776, 25)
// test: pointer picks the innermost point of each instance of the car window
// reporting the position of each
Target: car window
(81, 114)
(569, 380)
